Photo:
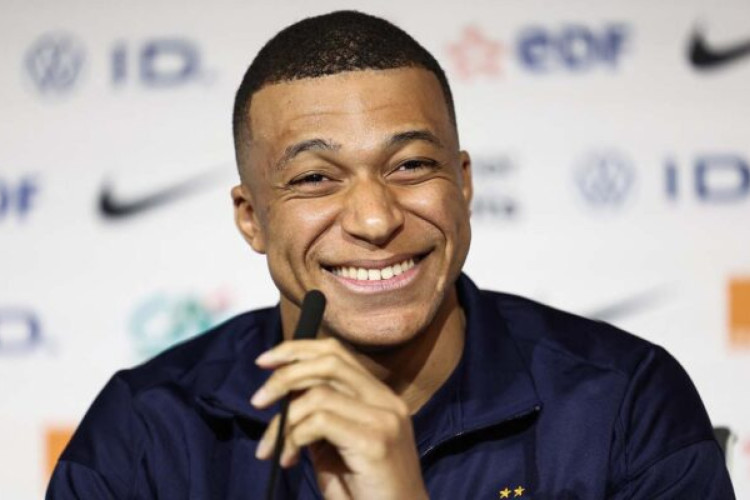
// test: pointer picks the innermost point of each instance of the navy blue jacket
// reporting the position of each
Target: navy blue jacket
(543, 405)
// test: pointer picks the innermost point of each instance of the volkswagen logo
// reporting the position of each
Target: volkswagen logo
(605, 178)
(54, 63)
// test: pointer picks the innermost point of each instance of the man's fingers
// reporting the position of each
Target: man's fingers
(353, 440)
(328, 369)
(298, 350)
(335, 400)
(325, 398)
(265, 445)
(381, 424)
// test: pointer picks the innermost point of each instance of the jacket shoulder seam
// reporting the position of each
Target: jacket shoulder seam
(676, 449)
(543, 342)
(570, 355)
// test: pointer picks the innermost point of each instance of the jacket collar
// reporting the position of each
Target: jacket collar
(490, 385)
(229, 396)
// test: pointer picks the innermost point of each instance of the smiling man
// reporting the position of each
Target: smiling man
(353, 183)
(419, 384)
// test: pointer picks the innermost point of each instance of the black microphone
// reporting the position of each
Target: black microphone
(310, 317)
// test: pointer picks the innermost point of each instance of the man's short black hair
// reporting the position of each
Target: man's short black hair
(326, 45)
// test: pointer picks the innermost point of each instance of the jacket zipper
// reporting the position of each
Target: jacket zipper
(525, 413)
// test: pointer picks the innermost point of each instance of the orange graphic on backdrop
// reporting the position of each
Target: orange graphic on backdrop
(739, 312)
(56, 439)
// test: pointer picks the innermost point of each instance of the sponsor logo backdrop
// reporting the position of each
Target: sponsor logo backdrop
(612, 163)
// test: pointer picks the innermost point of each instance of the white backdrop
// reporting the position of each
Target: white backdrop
(612, 177)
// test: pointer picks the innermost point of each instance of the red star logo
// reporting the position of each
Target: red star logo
(474, 54)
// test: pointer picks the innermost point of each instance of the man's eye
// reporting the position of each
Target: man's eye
(313, 184)
(415, 170)
(412, 165)
(309, 179)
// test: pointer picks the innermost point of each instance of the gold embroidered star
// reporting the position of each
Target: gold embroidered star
(518, 491)
(505, 493)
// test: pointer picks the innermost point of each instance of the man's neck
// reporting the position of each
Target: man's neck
(416, 371)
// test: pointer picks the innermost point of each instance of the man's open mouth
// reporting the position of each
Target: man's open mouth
(374, 273)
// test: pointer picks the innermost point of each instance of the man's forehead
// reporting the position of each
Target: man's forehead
(381, 100)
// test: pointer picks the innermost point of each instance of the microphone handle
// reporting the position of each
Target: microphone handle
(310, 317)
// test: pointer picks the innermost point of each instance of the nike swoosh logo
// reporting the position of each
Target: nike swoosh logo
(702, 56)
(628, 306)
(113, 207)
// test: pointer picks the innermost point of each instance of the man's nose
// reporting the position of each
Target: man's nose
(372, 212)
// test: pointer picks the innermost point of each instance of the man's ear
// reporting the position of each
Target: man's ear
(246, 218)
(467, 187)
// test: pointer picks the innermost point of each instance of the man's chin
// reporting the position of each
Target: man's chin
(375, 336)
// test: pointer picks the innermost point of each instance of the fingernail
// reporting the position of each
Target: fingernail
(287, 458)
(265, 358)
(260, 398)
(261, 451)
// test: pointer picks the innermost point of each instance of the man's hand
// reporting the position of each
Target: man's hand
(358, 431)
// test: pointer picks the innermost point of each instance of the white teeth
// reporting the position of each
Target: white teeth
(362, 274)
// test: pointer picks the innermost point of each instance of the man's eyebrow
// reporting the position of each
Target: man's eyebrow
(414, 135)
(308, 145)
